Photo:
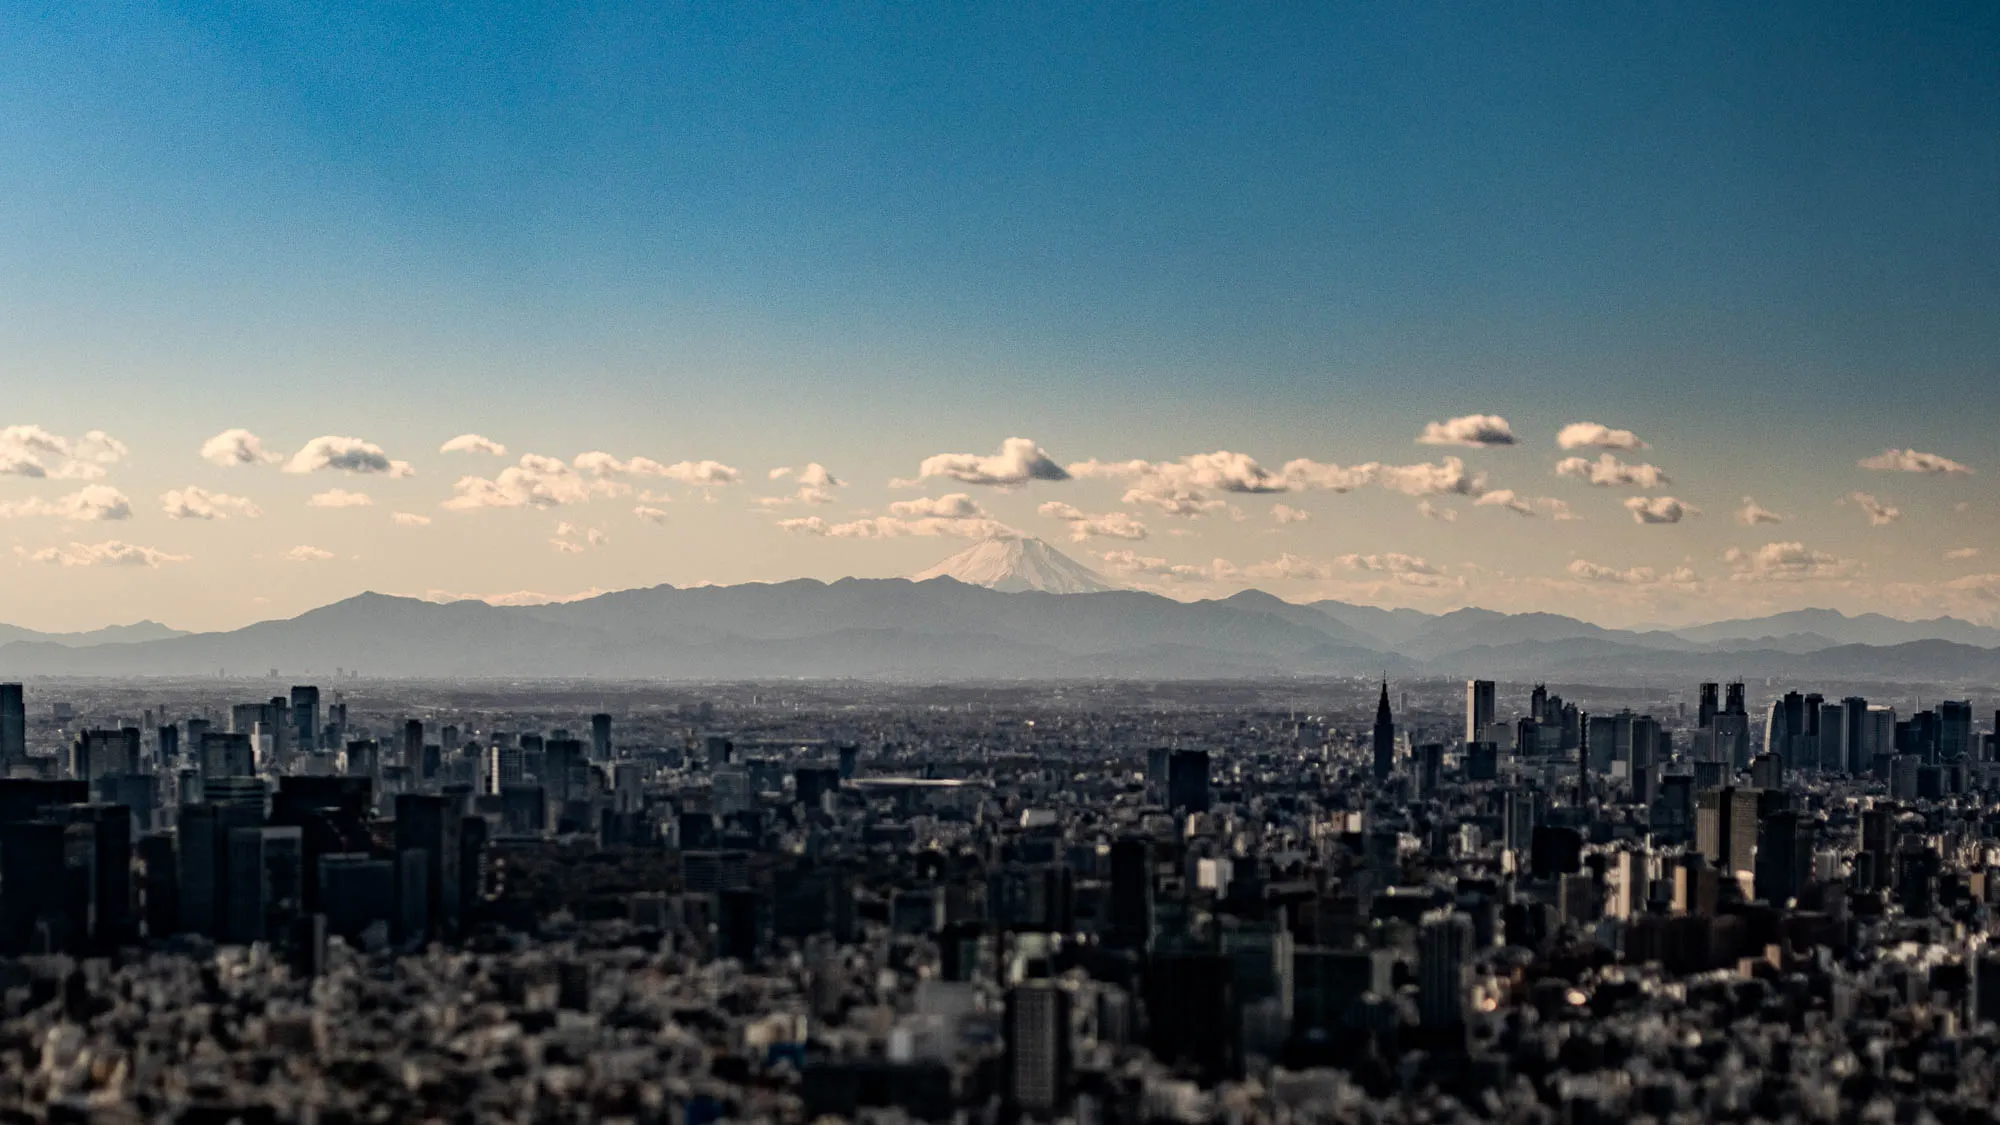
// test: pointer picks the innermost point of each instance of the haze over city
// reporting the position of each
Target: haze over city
(1642, 317)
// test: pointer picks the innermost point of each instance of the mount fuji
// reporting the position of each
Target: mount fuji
(1019, 563)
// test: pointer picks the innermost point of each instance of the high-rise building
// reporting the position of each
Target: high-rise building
(1711, 704)
(1954, 731)
(1785, 841)
(1478, 710)
(305, 717)
(413, 745)
(1385, 736)
(600, 737)
(1187, 781)
(227, 755)
(1192, 1015)
(1131, 894)
(506, 767)
(111, 852)
(1726, 828)
(433, 823)
(1444, 950)
(13, 726)
(98, 754)
(1038, 1048)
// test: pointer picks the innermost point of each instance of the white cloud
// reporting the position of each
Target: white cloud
(651, 515)
(1595, 435)
(602, 465)
(194, 503)
(1608, 471)
(1402, 569)
(1753, 513)
(1432, 511)
(566, 547)
(895, 527)
(1911, 461)
(1586, 571)
(1286, 514)
(535, 481)
(410, 519)
(816, 485)
(1019, 461)
(1960, 554)
(1392, 562)
(1131, 565)
(237, 447)
(1879, 514)
(91, 503)
(596, 538)
(307, 553)
(1659, 509)
(473, 443)
(952, 506)
(1477, 430)
(111, 552)
(346, 455)
(31, 451)
(1083, 525)
(340, 498)
(1181, 488)
(1507, 498)
(1786, 562)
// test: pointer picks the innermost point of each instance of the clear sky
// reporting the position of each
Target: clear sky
(1762, 240)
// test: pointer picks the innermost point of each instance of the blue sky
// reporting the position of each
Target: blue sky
(1767, 241)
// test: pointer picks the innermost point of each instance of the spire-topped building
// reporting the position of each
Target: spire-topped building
(1385, 735)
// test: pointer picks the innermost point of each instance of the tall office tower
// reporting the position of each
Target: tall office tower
(1538, 703)
(356, 891)
(169, 740)
(413, 744)
(1648, 750)
(1478, 710)
(47, 882)
(1430, 765)
(1785, 841)
(305, 718)
(565, 771)
(1954, 731)
(1444, 949)
(279, 727)
(1726, 828)
(1710, 705)
(448, 738)
(1131, 895)
(1777, 728)
(197, 729)
(98, 754)
(600, 737)
(1187, 781)
(244, 717)
(1602, 738)
(434, 824)
(1192, 1014)
(1523, 813)
(1038, 1048)
(244, 922)
(1734, 700)
(505, 767)
(732, 791)
(1833, 735)
(1732, 739)
(227, 755)
(204, 864)
(13, 726)
(1857, 736)
(364, 758)
(111, 849)
(1385, 736)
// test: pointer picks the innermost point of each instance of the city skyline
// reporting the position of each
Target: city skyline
(1288, 267)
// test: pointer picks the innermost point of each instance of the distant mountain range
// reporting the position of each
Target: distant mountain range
(989, 613)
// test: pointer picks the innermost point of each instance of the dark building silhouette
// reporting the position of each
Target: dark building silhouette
(13, 726)
(1187, 781)
(1385, 736)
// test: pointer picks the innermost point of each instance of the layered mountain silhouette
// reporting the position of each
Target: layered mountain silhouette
(1006, 609)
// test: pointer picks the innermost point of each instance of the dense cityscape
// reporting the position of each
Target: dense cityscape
(389, 901)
